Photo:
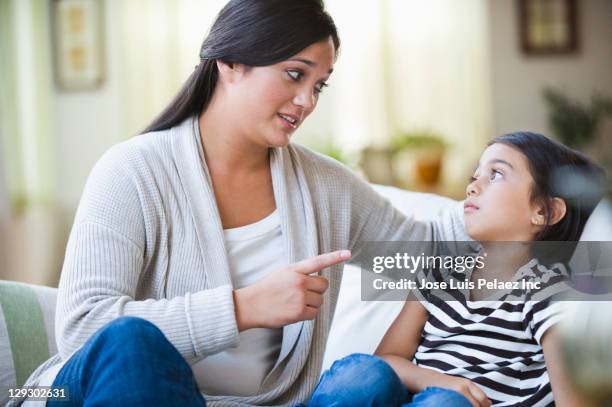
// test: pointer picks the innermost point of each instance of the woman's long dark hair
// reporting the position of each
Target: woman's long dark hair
(253, 33)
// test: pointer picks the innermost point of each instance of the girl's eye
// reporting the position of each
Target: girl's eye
(295, 75)
(496, 175)
(473, 179)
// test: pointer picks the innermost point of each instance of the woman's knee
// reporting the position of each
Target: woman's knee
(126, 336)
(130, 329)
(360, 379)
(131, 340)
(130, 356)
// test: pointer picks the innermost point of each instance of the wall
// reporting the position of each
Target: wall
(32, 242)
(517, 80)
(86, 123)
(150, 48)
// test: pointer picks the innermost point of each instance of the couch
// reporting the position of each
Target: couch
(27, 334)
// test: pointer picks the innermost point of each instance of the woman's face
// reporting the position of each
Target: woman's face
(498, 205)
(271, 102)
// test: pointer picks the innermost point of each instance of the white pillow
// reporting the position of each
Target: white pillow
(599, 226)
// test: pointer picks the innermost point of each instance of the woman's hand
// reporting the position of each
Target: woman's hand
(286, 296)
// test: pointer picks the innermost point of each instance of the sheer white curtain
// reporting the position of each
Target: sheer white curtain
(438, 63)
(409, 64)
(4, 97)
(26, 153)
(352, 112)
(4, 218)
(160, 42)
(25, 89)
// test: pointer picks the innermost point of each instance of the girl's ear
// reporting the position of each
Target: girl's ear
(558, 210)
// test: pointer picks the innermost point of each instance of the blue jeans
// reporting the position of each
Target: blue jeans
(366, 380)
(129, 362)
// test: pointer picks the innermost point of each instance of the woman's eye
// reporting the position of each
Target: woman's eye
(495, 175)
(320, 86)
(295, 75)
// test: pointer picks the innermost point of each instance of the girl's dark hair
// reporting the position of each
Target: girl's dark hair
(559, 171)
(253, 33)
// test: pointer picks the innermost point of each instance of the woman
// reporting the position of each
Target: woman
(209, 228)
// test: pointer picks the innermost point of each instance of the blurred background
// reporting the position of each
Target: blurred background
(418, 90)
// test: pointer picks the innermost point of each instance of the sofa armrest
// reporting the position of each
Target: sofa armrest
(27, 334)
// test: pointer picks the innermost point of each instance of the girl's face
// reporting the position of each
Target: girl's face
(271, 102)
(498, 205)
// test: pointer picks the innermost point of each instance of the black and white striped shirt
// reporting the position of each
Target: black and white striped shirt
(496, 344)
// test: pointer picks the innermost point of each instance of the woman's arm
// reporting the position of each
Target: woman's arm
(376, 219)
(558, 380)
(399, 345)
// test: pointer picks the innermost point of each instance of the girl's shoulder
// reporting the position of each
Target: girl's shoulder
(544, 277)
(544, 285)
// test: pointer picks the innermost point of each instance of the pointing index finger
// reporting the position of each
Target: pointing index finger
(318, 263)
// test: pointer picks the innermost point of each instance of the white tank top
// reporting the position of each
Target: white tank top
(253, 251)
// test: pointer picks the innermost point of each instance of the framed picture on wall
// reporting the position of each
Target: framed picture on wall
(548, 26)
(78, 44)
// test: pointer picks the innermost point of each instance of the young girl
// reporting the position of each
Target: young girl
(497, 352)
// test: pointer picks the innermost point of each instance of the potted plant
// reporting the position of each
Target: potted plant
(377, 165)
(421, 153)
(575, 124)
